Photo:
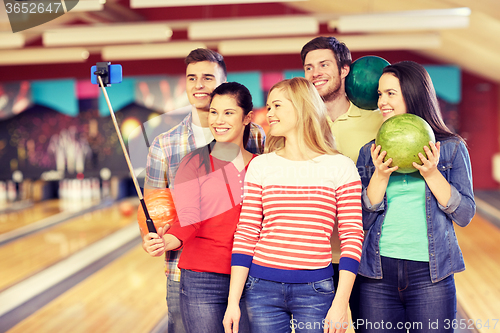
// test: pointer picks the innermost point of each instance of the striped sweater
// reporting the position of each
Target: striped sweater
(288, 214)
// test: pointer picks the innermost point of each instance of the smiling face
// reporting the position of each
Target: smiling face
(281, 114)
(227, 120)
(390, 97)
(201, 79)
(320, 68)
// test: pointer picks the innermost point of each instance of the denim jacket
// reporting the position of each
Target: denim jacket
(445, 256)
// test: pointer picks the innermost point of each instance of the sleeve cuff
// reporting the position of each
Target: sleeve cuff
(453, 203)
(348, 264)
(367, 204)
(238, 259)
(184, 234)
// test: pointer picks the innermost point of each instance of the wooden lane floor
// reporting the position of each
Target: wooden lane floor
(21, 222)
(127, 295)
(40, 210)
(478, 287)
(28, 255)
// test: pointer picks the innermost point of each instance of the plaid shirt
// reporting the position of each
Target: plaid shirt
(166, 153)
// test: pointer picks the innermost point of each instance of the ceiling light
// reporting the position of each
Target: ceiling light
(9, 40)
(151, 51)
(107, 34)
(177, 3)
(263, 46)
(391, 42)
(88, 6)
(43, 56)
(257, 27)
(378, 42)
(409, 20)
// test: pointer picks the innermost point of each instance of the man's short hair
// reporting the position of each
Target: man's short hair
(201, 54)
(340, 50)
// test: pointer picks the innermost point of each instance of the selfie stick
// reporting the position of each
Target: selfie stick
(149, 221)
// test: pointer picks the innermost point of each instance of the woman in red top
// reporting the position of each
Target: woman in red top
(208, 191)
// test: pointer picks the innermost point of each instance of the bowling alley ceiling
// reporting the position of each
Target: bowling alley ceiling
(461, 32)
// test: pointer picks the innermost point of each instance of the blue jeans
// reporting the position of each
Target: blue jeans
(405, 298)
(270, 305)
(175, 324)
(204, 302)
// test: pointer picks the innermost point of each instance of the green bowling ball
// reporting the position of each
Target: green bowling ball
(403, 137)
(361, 83)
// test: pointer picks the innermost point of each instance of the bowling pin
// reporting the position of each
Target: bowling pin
(86, 192)
(106, 189)
(3, 193)
(61, 191)
(96, 190)
(11, 191)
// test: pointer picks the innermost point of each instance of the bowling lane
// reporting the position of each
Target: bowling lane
(28, 255)
(478, 287)
(17, 219)
(128, 295)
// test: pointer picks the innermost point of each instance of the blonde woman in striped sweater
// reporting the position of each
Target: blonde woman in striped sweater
(294, 195)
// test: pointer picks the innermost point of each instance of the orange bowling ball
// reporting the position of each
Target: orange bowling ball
(160, 205)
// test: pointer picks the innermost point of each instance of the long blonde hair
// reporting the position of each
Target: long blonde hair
(313, 129)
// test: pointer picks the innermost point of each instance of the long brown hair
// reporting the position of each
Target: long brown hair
(420, 97)
(243, 98)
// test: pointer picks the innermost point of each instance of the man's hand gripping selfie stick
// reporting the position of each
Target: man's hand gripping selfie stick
(102, 70)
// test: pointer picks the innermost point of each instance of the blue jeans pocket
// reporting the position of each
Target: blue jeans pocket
(250, 283)
(323, 286)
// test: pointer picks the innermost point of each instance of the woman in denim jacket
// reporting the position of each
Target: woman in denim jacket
(411, 252)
